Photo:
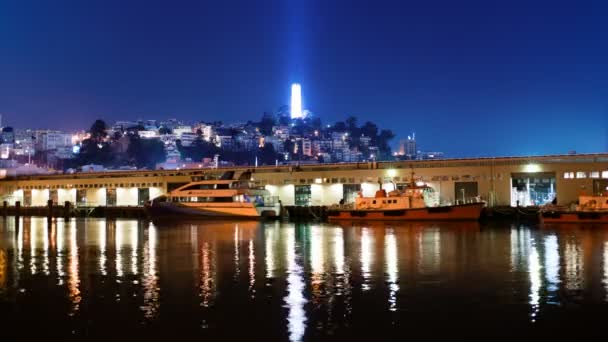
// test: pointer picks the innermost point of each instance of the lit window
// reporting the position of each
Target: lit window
(594, 174)
(581, 174)
(604, 174)
(568, 175)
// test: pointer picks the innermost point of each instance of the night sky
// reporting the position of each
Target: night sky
(469, 77)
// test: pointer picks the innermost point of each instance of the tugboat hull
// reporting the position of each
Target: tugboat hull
(574, 217)
(463, 212)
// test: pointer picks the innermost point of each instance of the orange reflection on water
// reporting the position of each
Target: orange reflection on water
(3, 269)
(73, 270)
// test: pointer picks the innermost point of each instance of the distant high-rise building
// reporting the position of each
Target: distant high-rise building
(296, 101)
(407, 147)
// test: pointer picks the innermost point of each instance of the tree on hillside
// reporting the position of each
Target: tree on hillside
(145, 152)
(98, 130)
(198, 150)
(95, 150)
(267, 155)
(267, 123)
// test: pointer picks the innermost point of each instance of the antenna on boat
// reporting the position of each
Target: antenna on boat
(412, 180)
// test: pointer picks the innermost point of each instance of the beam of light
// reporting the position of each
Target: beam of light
(552, 263)
(296, 101)
(534, 268)
(392, 267)
(366, 257)
(295, 299)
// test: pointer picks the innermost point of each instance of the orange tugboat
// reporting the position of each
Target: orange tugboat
(403, 205)
(591, 209)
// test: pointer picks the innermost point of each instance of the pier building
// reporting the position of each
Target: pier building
(504, 181)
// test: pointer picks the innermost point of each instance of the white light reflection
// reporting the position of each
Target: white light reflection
(60, 251)
(605, 280)
(392, 268)
(19, 245)
(294, 300)
(119, 241)
(520, 240)
(134, 242)
(102, 248)
(73, 270)
(367, 257)
(429, 245)
(237, 267)
(33, 242)
(552, 263)
(534, 268)
(251, 266)
(339, 250)
(269, 241)
(316, 251)
(573, 258)
(150, 278)
(45, 246)
(207, 282)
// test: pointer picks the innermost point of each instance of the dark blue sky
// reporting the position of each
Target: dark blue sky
(469, 77)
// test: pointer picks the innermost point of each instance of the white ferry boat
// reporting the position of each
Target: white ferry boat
(219, 198)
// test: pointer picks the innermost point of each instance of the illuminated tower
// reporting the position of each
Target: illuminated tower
(296, 101)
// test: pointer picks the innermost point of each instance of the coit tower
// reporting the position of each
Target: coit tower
(296, 101)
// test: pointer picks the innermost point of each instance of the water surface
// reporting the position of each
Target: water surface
(295, 282)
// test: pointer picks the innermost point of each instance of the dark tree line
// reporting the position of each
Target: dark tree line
(109, 151)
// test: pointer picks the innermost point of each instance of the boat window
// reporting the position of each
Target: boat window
(199, 187)
(374, 202)
(384, 202)
(223, 186)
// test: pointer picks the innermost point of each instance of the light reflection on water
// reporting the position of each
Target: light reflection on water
(318, 278)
